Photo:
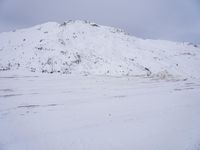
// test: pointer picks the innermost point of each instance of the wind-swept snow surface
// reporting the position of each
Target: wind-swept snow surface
(54, 112)
(81, 47)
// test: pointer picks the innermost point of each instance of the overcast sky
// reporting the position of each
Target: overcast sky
(177, 20)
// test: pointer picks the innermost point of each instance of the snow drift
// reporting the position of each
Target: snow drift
(81, 47)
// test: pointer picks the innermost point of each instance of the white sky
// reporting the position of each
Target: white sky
(177, 20)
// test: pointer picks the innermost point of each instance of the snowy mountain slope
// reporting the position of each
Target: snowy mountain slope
(81, 47)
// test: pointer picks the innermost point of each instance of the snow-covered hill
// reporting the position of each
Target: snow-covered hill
(81, 47)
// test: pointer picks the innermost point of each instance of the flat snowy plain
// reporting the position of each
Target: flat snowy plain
(59, 112)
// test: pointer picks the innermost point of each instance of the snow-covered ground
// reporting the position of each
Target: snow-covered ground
(72, 112)
(83, 86)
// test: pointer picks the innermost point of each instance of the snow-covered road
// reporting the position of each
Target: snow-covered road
(58, 112)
